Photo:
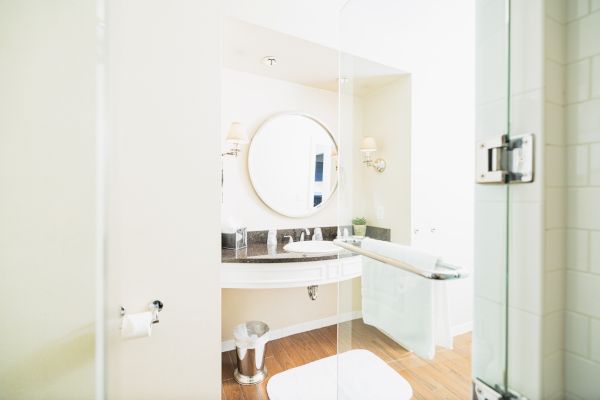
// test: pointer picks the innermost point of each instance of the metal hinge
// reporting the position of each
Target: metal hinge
(503, 159)
(482, 391)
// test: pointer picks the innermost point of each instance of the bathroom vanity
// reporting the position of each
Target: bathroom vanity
(259, 266)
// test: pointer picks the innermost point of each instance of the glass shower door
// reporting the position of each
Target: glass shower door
(50, 241)
(432, 80)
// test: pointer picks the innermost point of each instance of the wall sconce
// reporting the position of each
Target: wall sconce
(237, 135)
(368, 146)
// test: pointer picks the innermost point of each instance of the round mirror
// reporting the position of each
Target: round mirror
(292, 162)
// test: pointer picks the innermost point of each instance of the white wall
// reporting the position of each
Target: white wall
(164, 197)
(251, 99)
(47, 199)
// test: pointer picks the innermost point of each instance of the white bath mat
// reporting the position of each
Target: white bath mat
(362, 375)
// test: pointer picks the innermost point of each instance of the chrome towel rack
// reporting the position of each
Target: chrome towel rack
(446, 272)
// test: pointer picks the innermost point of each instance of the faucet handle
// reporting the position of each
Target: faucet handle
(317, 234)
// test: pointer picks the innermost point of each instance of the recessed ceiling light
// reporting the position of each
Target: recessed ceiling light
(269, 60)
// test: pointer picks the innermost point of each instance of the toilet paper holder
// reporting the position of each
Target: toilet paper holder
(155, 307)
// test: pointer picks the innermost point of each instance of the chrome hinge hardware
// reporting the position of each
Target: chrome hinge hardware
(503, 159)
(482, 391)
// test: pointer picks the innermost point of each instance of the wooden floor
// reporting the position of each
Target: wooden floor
(448, 376)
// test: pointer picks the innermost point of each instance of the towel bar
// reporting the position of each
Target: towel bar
(451, 272)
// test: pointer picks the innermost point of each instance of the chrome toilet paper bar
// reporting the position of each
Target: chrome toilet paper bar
(155, 307)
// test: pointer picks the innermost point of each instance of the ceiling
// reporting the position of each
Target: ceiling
(298, 60)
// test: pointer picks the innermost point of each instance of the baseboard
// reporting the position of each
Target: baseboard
(321, 323)
(303, 327)
(462, 328)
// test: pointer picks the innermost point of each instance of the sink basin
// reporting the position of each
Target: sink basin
(312, 246)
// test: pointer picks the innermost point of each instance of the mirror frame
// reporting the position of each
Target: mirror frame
(316, 209)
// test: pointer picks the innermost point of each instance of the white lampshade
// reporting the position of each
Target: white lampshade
(237, 133)
(368, 144)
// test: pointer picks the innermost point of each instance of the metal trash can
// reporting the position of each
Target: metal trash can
(250, 343)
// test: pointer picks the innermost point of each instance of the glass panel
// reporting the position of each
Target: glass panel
(48, 204)
(412, 90)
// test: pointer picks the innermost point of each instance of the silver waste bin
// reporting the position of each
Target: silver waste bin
(250, 343)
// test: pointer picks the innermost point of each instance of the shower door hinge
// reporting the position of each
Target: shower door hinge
(503, 159)
(482, 391)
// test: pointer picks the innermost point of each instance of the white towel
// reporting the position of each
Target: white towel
(410, 309)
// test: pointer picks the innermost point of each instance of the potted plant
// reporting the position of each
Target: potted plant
(360, 226)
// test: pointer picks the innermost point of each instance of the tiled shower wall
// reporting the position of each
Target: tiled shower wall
(572, 256)
(554, 223)
(582, 112)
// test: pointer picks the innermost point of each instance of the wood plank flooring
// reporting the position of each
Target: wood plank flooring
(447, 377)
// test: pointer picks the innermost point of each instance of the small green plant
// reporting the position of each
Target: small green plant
(359, 221)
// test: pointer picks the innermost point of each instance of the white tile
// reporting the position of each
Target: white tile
(595, 339)
(595, 76)
(555, 41)
(554, 291)
(583, 121)
(553, 376)
(490, 119)
(577, 330)
(583, 207)
(595, 164)
(577, 9)
(582, 293)
(527, 53)
(527, 115)
(578, 81)
(555, 208)
(577, 165)
(557, 10)
(555, 166)
(526, 247)
(577, 249)
(491, 80)
(582, 37)
(554, 124)
(595, 5)
(581, 377)
(595, 252)
(488, 338)
(490, 252)
(524, 353)
(555, 82)
(554, 336)
(555, 249)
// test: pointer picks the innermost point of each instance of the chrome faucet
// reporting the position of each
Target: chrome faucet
(291, 238)
(302, 234)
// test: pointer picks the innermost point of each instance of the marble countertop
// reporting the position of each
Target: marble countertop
(260, 253)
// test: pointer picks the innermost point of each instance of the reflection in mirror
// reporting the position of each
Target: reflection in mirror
(292, 164)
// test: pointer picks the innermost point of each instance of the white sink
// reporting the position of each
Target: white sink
(312, 246)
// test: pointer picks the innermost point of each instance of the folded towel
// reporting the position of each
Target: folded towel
(410, 309)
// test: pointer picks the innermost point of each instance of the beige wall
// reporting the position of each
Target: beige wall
(164, 197)
(251, 99)
(47, 200)
(284, 308)
(385, 199)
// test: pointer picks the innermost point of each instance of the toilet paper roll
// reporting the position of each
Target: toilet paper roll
(137, 325)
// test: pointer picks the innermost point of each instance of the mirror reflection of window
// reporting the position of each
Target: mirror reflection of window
(318, 199)
(291, 165)
(319, 168)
